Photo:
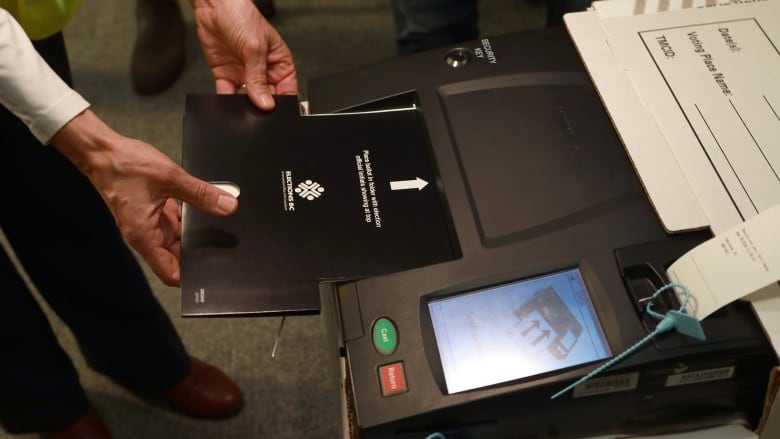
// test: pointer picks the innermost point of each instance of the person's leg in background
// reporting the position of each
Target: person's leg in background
(67, 241)
(158, 55)
(427, 24)
(159, 52)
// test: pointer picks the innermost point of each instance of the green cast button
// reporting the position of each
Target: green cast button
(385, 336)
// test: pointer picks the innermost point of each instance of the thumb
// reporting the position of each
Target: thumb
(205, 196)
(257, 87)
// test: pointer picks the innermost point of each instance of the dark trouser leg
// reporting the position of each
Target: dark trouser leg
(67, 241)
(159, 53)
(39, 388)
(427, 24)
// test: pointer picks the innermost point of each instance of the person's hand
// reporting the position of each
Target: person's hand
(140, 185)
(245, 53)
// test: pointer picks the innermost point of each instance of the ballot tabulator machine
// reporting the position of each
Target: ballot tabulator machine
(557, 246)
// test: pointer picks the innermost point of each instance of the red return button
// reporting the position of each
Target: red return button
(392, 379)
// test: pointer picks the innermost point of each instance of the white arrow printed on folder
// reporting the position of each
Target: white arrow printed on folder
(418, 183)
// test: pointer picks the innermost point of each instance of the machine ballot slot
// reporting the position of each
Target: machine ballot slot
(401, 100)
(643, 281)
(643, 268)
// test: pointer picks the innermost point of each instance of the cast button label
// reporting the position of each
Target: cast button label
(385, 336)
(392, 379)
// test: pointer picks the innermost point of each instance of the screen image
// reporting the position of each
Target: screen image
(516, 330)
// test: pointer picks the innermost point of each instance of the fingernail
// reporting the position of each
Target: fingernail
(226, 203)
(267, 101)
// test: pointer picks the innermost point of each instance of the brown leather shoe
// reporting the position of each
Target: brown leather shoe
(205, 392)
(89, 426)
(159, 53)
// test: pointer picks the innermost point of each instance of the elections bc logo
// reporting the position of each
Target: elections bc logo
(308, 190)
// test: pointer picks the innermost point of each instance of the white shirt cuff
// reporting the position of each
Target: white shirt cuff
(29, 88)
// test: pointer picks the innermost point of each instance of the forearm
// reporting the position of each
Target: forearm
(29, 88)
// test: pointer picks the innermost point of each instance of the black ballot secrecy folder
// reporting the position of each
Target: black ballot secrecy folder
(322, 198)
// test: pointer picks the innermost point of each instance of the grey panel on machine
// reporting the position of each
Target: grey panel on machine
(548, 140)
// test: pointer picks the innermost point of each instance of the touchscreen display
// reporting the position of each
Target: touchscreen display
(516, 330)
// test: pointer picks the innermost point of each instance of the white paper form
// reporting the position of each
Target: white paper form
(731, 265)
(749, 30)
(709, 77)
(652, 157)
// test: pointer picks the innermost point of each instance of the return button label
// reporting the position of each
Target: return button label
(392, 379)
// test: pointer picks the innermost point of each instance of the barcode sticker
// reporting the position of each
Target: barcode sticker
(700, 376)
(610, 384)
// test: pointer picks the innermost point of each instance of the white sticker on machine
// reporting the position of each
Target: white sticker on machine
(700, 376)
(610, 384)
